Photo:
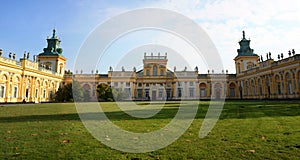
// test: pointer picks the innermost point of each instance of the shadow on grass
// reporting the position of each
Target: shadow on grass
(230, 111)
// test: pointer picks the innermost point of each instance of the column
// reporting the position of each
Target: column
(208, 89)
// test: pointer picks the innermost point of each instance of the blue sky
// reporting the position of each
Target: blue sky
(273, 26)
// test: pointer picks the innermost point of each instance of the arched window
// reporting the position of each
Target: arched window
(268, 87)
(37, 89)
(45, 89)
(27, 90)
(2, 86)
(15, 91)
(161, 72)
(36, 93)
(154, 71)
(44, 93)
(2, 91)
(289, 83)
(16, 87)
(278, 84)
(27, 93)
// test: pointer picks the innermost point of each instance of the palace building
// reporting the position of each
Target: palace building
(32, 80)
(37, 80)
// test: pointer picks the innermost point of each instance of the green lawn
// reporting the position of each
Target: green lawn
(245, 130)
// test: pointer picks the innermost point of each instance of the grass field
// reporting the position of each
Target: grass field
(245, 130)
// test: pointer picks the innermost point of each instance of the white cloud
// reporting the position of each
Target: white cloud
(272, 25)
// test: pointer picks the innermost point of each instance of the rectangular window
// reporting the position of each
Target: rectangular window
(191, 83)
(147, 93)
(160, 93)
(127, 84)
(2, 91)
(116, 83)
(168, 91)
(139, 93)
(179, 92)
(127, 91)
(290, 90)
(154, 71)
(191, 92)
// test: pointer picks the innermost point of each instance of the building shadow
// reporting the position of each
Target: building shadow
(230, 111)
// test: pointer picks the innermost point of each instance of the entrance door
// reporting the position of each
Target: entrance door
(218, 94)
(218, 89)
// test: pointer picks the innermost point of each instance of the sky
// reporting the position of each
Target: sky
(273, 26)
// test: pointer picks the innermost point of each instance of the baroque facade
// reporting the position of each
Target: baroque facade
(255, 78)
(32, 80)
(267, 79)
(37, 80)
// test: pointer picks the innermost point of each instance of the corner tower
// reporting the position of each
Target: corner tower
(51, 58)
(245, 59)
